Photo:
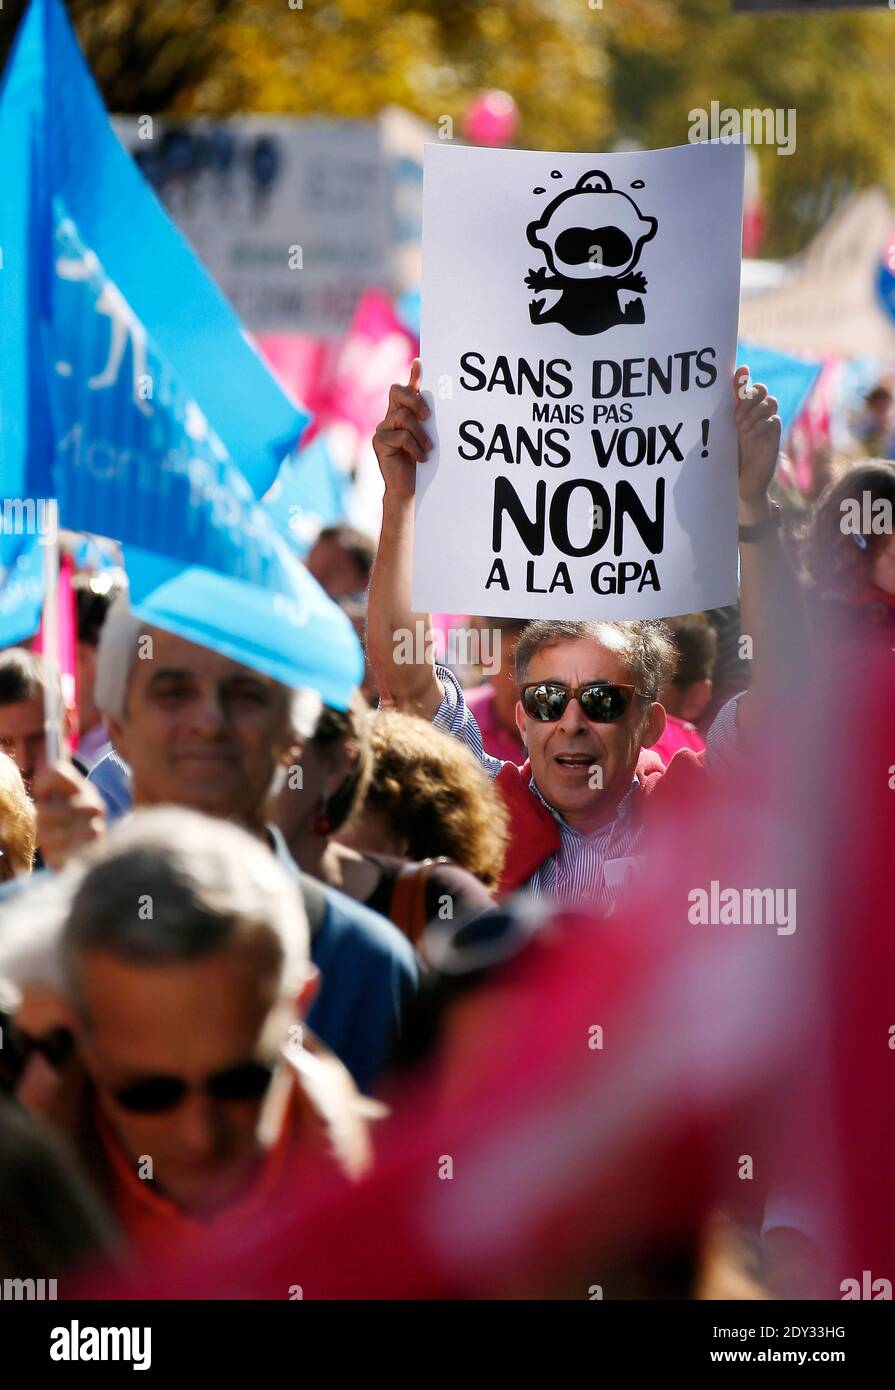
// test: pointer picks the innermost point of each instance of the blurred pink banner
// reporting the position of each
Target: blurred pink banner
(302, 365)
(67, 655)
(345, 380)
(376, 351)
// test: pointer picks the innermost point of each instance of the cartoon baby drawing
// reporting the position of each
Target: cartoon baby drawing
(591, 237)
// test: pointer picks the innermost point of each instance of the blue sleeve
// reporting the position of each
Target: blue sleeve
(369, 972)
(454, 716)
(112, 778)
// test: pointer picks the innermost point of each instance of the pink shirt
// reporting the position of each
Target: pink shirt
(678, 733)
(496, 740)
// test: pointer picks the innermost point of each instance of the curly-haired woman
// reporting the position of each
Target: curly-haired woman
(396, 814)
(18, 823)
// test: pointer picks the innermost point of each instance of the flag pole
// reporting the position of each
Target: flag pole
(53, 687)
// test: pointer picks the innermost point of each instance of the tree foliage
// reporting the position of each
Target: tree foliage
(585, 75)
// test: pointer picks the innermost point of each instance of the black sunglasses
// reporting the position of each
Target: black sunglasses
(18, 1048)
(157, 1094)
(601, 702)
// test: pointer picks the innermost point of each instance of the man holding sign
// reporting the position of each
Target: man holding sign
(586, 451)
(587, 709)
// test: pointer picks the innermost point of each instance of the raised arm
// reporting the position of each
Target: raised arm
(401, 443)
(770, 602)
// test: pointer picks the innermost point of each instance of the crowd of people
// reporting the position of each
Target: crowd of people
(405, 999)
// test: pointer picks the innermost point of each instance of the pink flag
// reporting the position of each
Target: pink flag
(67, 654)
(376, 351)
(302, 365)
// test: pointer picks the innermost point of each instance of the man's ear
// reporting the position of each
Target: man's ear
(521, 723)
(654, 725)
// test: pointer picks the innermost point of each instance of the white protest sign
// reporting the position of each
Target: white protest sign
(579, 323)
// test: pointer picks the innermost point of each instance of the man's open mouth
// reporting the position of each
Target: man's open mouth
(575, 759)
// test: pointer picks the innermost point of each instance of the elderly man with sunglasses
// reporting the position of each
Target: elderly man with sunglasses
(165, 979)
(588, 710)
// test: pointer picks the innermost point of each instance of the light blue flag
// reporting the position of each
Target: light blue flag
(407, 308)
(310, 492)
(790, 379)
(105, 420)
(56, 141)
(136, 458)
(21, 588)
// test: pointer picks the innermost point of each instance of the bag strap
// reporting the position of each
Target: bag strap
(407, 908)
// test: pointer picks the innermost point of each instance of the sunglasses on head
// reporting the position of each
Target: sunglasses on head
(602, 702)
(153, 1095)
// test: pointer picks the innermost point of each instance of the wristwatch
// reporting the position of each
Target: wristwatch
(762, 528)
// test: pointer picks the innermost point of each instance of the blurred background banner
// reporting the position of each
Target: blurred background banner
(346, 381)
(377, 350)
(826, 299)
(295, 219)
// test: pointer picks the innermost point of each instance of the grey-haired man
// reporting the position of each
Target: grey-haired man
(588, 709)
(199, 730)
(175, 953)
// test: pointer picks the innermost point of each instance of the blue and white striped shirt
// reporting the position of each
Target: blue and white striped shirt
(588, 865)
